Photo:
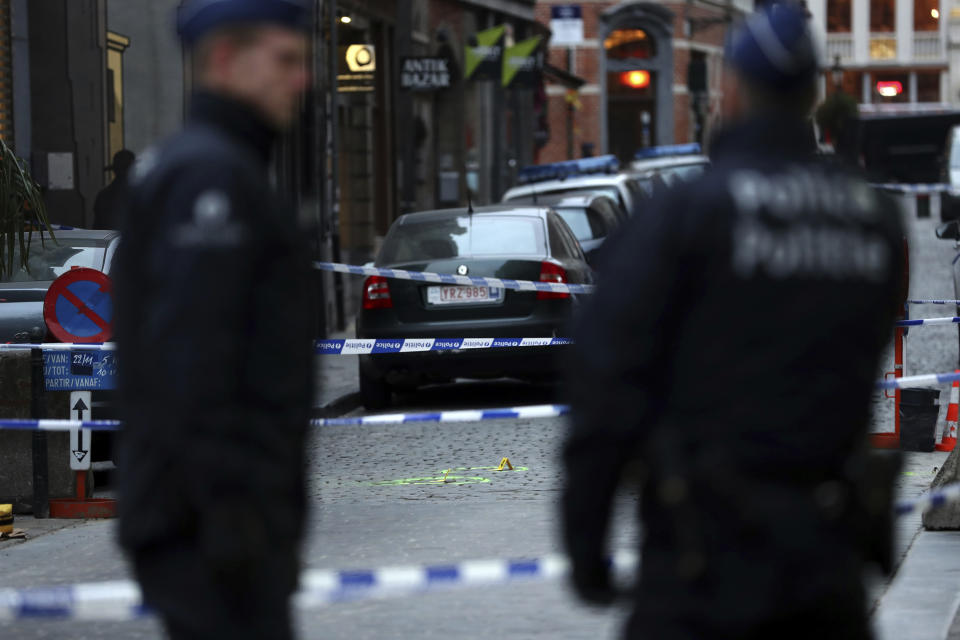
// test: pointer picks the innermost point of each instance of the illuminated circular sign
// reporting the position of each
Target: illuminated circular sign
(636, 79)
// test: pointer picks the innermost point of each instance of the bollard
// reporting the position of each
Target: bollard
(41, 485)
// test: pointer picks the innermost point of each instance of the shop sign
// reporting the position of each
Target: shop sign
(522, 63)
(357, 68)
(424, 73)
(483, 60)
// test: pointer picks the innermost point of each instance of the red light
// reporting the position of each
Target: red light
(550, 272)
(376, 293)
(636, 79)
(889, 88)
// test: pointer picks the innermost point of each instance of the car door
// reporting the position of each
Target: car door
(565, 248)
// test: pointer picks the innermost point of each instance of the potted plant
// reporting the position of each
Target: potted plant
(22, 212)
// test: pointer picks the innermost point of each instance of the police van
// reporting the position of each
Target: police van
(588, 175)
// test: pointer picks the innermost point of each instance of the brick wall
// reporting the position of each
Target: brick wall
(587, 65)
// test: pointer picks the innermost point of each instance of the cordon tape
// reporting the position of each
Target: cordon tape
(358, 346)
(919, 189)
(121, 600)
(460, 415)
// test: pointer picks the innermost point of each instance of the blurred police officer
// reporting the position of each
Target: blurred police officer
(109, 205)
(214, 329)
(726, 362)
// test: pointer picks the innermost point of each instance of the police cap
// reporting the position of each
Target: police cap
(196, 18)
(774, 48)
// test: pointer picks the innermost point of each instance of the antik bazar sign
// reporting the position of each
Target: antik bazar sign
(424, 74)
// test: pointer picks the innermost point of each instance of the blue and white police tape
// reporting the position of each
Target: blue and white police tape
(927, 321)
(925, 380)
(122, 600)
(59, 425)
(918, 189)
(460, 415)
(441, 278)
(931, 500)
(933, 302)
(59, 346)
(417, 345)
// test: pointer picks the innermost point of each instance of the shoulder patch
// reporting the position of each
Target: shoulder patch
(211, 210)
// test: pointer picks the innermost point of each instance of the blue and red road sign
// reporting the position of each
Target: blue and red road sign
(79, 306)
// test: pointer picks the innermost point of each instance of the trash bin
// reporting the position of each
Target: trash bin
(919, 410)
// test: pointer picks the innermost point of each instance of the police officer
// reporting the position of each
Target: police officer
(214, 325)
(726, 365)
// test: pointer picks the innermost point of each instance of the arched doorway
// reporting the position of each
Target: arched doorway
(637, 77)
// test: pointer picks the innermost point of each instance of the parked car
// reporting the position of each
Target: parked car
(950, 175)
(591, 216)
(23, 291)
(672, 163)
(595, 175)
(503, 241)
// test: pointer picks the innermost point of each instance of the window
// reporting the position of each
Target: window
(891, 87)
(49, 260)
(883, 16)
(926, 15)
(928, 86)
(585, 223)
(463, 236)
(839, 16)
(623, 44)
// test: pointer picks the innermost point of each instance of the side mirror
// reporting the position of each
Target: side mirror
(949, 230)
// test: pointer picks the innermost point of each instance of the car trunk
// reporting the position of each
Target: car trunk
(410, 297)
(21, 311)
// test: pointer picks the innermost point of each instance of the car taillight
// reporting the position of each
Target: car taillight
(550, 272)
(376, 293)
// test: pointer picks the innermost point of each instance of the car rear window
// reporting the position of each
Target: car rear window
(49, 260)
(464, 236)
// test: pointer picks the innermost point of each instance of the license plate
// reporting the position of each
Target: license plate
(463, 295)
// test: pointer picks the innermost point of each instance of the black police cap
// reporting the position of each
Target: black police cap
(196, 18)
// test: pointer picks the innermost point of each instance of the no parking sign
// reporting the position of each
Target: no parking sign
(79, 306)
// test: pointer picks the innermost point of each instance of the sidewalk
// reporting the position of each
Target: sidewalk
(922, 599)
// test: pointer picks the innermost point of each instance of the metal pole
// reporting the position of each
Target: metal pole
(570, 109)
(41, 484)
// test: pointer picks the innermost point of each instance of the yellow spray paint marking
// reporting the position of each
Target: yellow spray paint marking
(505, 463)
(432, 480)
(515, 469)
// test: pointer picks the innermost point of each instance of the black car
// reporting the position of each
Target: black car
(591, 216)
(500, 241)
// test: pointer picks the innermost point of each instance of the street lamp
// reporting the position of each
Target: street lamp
(836, 72)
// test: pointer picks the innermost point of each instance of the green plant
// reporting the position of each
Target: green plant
(21, 210)
(833, 114)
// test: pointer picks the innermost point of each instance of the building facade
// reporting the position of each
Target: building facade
(635, 61)
(889, 54)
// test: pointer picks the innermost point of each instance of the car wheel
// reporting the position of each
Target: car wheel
(375, 393)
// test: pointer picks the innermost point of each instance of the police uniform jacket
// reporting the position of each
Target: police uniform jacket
(728, 359)
(214, 328)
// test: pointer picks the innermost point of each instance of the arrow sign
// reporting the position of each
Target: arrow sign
(80, 409)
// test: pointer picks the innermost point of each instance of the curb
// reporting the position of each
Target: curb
(339, 406)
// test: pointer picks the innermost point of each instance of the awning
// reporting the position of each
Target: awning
(560, 76)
